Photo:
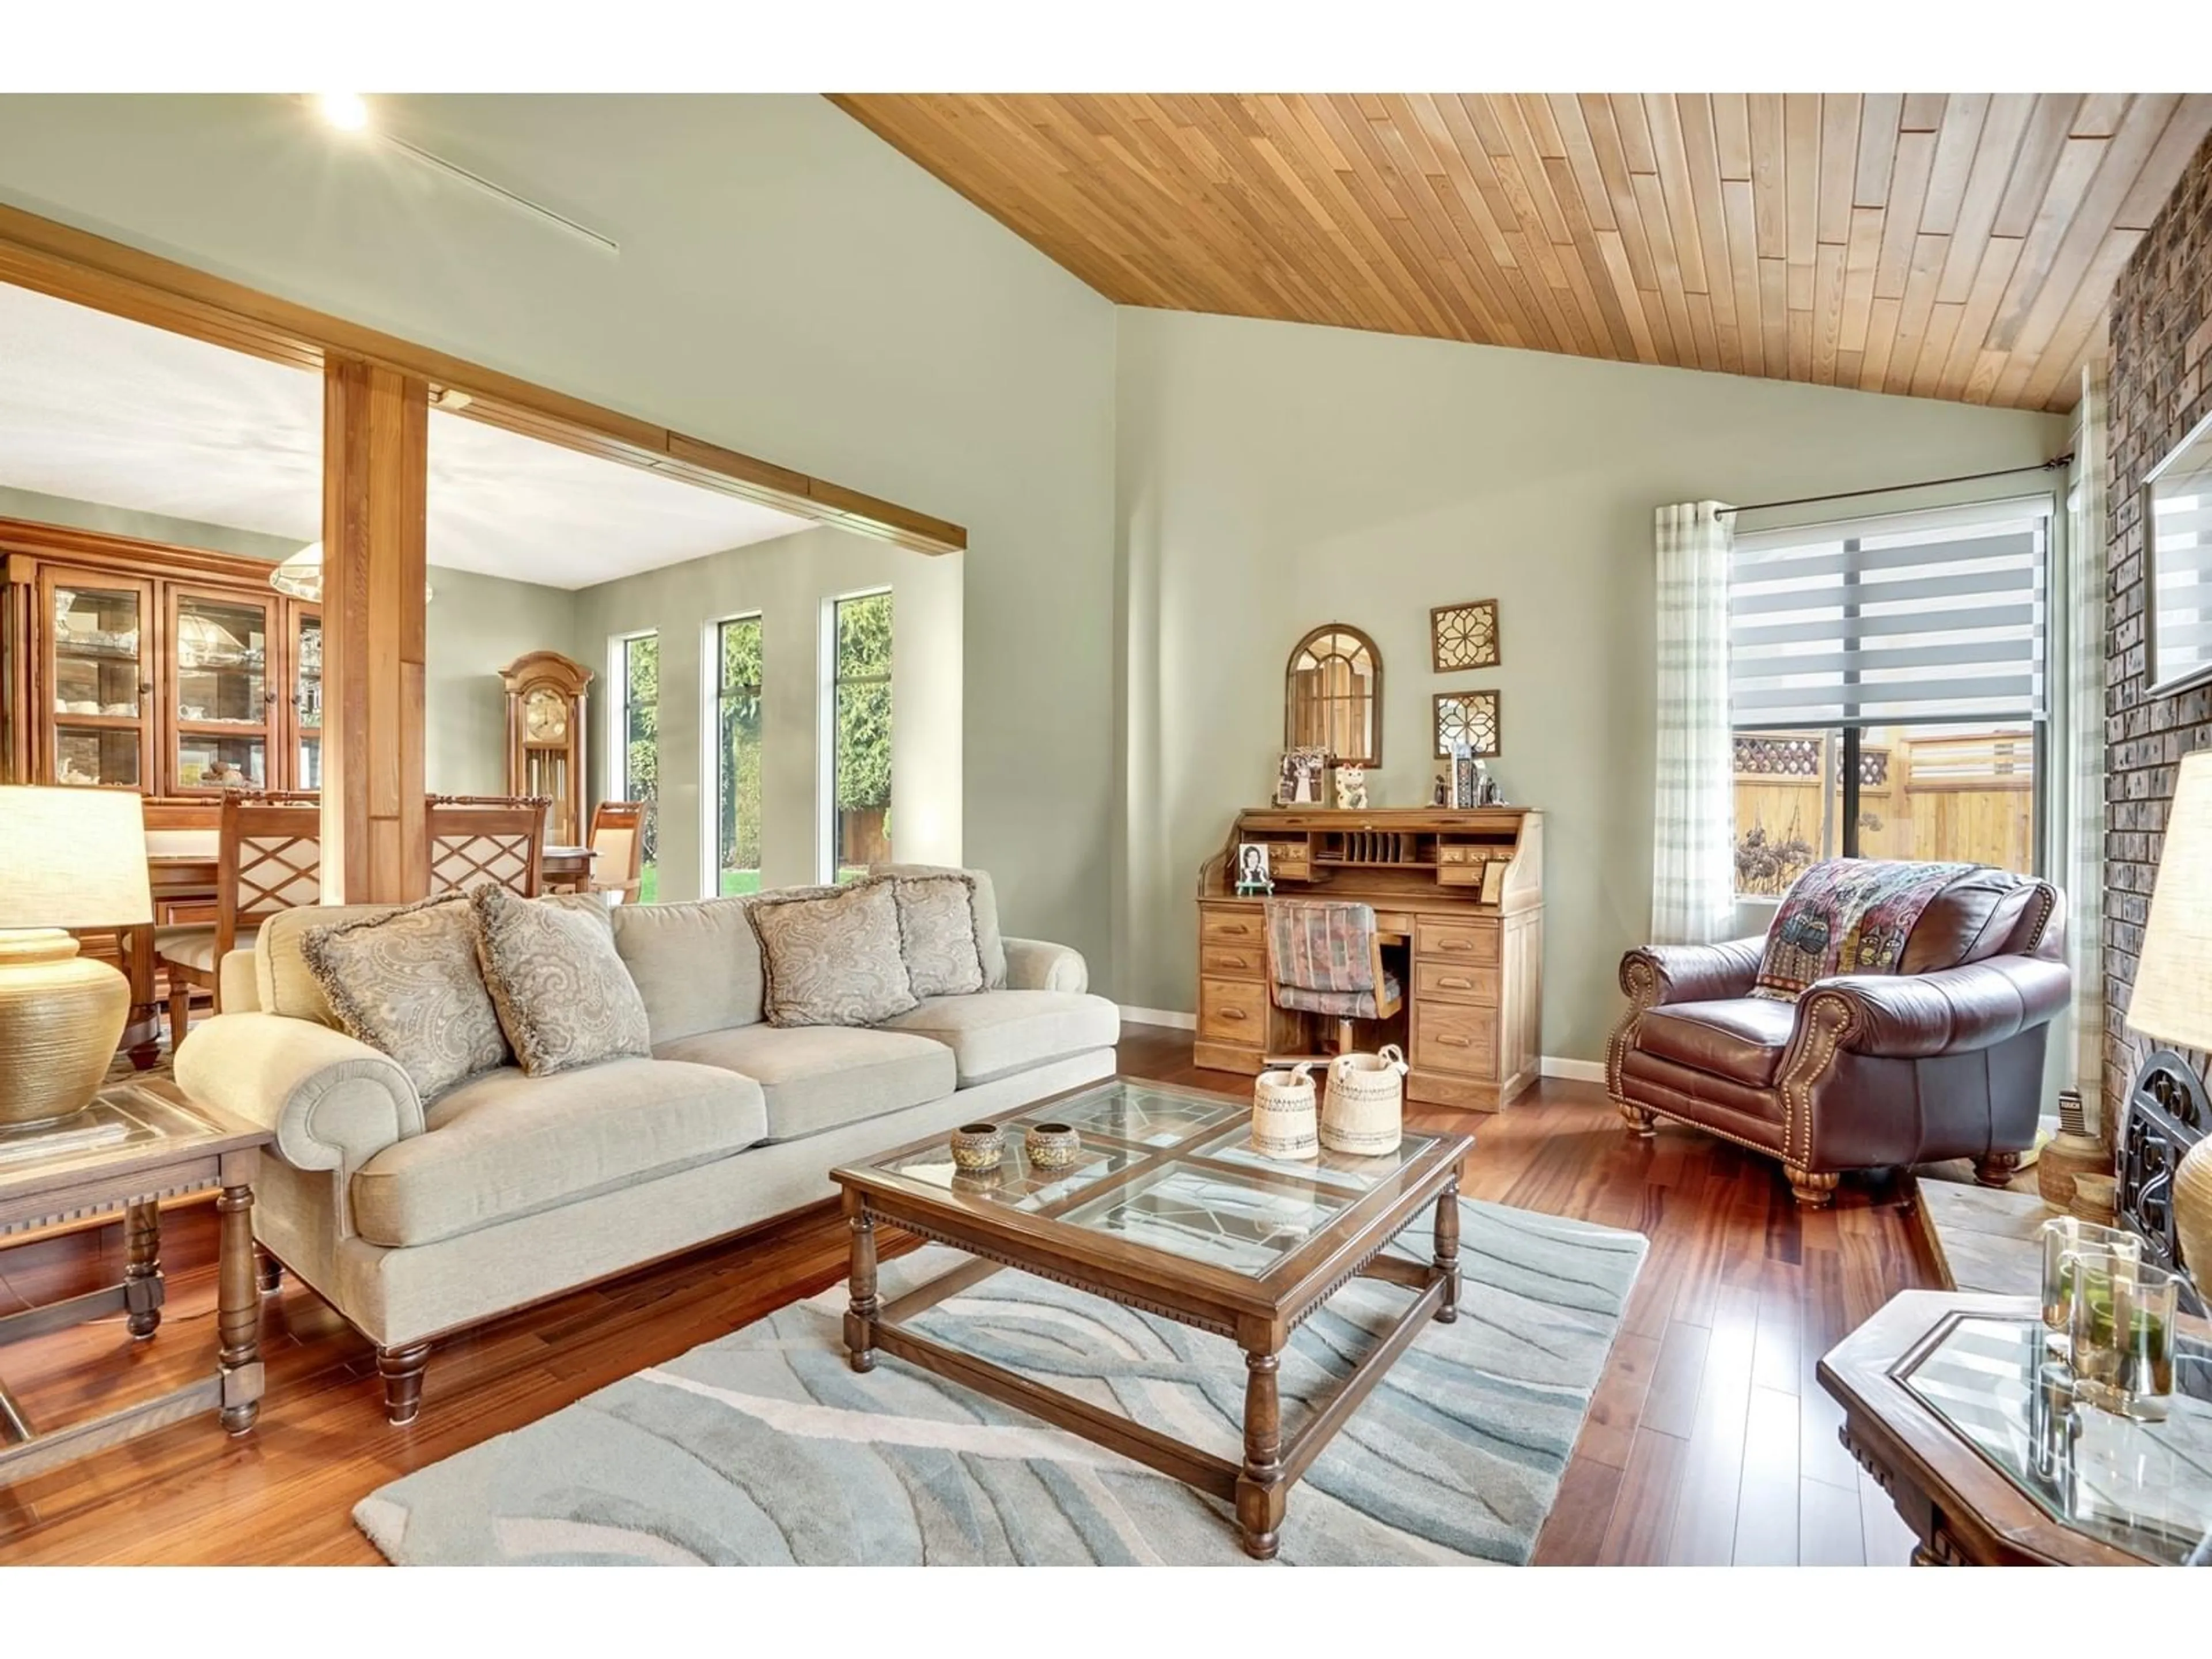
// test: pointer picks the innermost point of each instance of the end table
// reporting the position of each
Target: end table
(1942, 1405)
(140, 1142)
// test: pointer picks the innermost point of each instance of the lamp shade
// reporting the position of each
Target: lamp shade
(2172, 998)
(301, 575)
(74, 858)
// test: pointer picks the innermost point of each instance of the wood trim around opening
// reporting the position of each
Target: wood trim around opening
(75, 265)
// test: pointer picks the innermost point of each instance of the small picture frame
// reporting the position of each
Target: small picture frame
(1252, 875)
(1464, 636)
(1298, 783)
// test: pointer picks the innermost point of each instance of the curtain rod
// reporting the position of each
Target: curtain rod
(2050, 465)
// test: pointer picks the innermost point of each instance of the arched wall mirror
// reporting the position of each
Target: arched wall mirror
(1332, 697)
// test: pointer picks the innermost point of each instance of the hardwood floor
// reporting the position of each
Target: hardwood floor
(1709, 1441)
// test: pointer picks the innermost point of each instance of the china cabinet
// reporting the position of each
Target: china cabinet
(546, 727)
(172, 670)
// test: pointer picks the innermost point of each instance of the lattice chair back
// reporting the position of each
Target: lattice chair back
(475, 839)
(271, 859)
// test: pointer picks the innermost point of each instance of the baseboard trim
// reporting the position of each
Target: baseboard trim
(1159, 1017)
(1572, 1071)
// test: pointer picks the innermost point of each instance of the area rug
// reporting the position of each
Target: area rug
(762, 1447)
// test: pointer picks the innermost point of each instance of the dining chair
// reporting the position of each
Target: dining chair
(475, 839)
(1325, 957)
(269, 859)
(618, 839)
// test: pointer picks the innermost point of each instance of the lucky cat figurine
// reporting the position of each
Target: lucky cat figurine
(1352, 788)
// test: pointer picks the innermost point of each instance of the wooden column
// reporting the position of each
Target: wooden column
(376, 468)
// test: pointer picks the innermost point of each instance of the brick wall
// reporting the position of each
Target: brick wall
(2160, 385)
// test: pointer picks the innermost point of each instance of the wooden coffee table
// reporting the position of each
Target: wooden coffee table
(1168, 1210)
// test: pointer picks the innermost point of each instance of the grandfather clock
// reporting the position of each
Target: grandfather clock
(545, 736)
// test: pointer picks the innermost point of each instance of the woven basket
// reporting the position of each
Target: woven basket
(1364, 1110)
(1283, 1124)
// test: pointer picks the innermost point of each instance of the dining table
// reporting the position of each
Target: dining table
(184, 874)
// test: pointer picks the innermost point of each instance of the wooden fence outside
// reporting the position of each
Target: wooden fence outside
(1969, 796)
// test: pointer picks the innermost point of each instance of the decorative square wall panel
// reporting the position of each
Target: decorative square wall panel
(1472, 717)
(1463, 635)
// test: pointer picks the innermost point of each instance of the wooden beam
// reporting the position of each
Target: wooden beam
(113, 276)
(376, 453)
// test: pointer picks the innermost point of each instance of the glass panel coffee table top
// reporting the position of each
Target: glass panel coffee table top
(2142, 1487)
(1143, 1114)
(1176, 1171)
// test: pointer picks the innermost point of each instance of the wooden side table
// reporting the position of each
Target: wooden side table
(1944, 1405)
(139, 1143)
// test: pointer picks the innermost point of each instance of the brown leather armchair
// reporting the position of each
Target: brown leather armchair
(1942, 1059)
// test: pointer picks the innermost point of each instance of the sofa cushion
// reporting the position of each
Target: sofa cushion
(989, 940)
(563, 996)
(996, 1033)
(504, 1145)
(1742, 1038)
(936, 934)
(286, 985)
(818, 1076)
(407, 984)
(697, 965)
(832, 958)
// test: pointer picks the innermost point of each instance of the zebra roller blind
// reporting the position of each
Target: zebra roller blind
(1919, 619)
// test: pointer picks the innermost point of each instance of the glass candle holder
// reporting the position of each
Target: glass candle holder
(2122, 1332)
(2062, 1235)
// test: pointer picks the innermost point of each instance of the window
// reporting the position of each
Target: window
(637, 661)
(859, 816)
(736, 855)
(1886, 682)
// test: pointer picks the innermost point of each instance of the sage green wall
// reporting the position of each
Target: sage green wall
(477, 625)
(1273, 476)
(787, 285)
(41, 509)
(786, 582)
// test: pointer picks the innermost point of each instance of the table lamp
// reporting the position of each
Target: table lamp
(2173, 999)
(73, 858)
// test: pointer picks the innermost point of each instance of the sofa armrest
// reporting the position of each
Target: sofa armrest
(1653, 975)
(1032, 965)
(334, 1102)
(1913, 1016)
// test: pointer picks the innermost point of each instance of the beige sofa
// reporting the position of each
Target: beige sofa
(416, 1223)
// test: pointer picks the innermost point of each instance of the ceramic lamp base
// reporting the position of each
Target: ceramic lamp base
(61, 1016)
(2192, 1213)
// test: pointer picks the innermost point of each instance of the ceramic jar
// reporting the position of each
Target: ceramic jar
(2193, 1212)
(1051, 1146)
(977, 1147)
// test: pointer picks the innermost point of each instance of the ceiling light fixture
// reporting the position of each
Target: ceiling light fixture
(346, 111)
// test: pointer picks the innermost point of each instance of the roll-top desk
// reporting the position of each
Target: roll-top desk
(1473, 952)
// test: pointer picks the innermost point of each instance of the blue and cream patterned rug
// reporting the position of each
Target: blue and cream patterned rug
(762, 1447)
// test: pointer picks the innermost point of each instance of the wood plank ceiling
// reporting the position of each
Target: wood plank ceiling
(1947, 245)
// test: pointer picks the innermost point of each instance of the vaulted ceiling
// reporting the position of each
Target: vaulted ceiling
(1946, 244)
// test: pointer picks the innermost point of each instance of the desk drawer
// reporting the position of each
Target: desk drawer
(1453, 1038)
(1455, 981)
(1439, 939)
(1233, 961)
(1233, 1011)
(1246, 926)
